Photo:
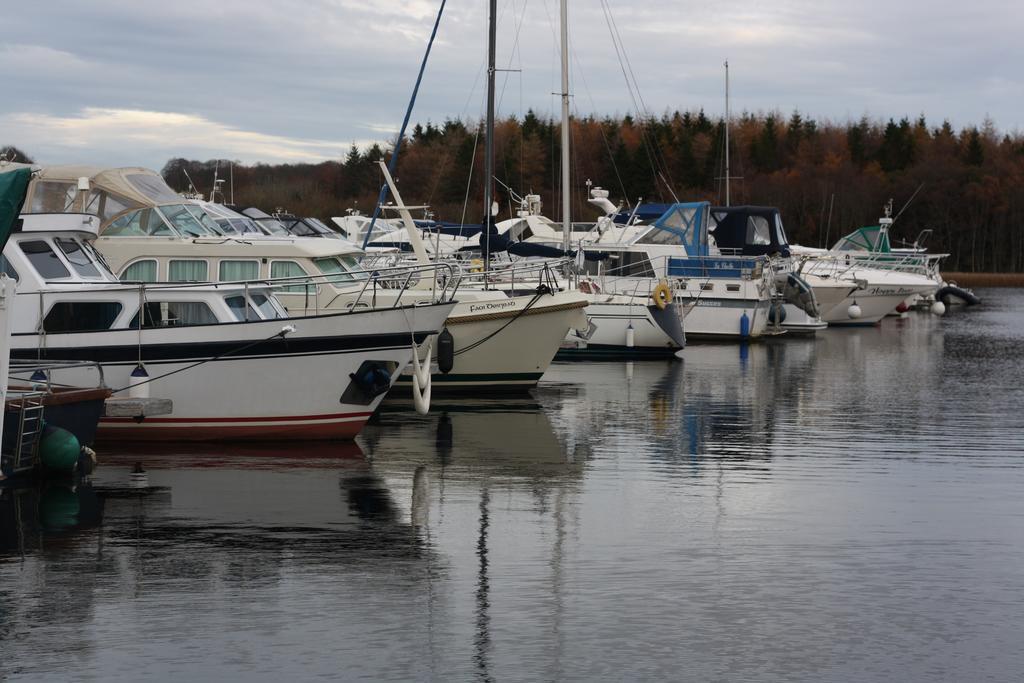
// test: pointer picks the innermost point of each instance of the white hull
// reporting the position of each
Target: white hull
(798, 322)
(719, 309)
(875, 302)
(612, 316)
(247, 382)
(505, 343)
(877, 292)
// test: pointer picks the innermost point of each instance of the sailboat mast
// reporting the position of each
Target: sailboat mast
(727, 133)
(489, 129)
(566, 203)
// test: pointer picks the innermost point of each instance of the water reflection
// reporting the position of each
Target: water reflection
(815, 508)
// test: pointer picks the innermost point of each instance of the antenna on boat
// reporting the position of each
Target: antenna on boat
(213, 192)
(191, 186)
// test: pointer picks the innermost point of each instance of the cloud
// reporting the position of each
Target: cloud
(279, 79)
(156, 134)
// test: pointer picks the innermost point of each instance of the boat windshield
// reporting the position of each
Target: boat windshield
(141, 223)
(181, 218)
(272, 226)
(78, 257)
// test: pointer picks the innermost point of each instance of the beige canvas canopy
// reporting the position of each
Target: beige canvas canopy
(107, 193)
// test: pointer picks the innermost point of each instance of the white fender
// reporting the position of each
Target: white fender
(421, 383)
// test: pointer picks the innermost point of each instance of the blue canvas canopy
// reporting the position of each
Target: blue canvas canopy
(683, 223)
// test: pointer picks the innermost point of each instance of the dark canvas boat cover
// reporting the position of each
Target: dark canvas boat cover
(750, 230)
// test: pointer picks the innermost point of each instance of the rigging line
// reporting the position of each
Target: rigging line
(600, 127)
(634, 90)
(393, 164)
(469, 180)
(239, 349)
(508, 72)
(447, 153)
(541, 291)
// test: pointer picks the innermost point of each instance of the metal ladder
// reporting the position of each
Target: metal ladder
(30, 425)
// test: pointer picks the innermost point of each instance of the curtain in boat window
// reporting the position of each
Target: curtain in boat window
(140, 271)
(188, 271)
(172, 313)
(289, 269)
(231, 271)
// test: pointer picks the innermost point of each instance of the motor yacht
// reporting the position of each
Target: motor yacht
(230, 358)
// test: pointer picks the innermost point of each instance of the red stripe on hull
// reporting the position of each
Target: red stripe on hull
(151, 430)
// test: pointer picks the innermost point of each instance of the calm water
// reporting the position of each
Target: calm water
(843, 508)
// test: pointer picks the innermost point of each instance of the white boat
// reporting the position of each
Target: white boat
(887, 280)
(500, 340)
(232, 362)
(876, 293)
(726, 296)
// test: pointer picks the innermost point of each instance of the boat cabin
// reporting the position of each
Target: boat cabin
(52, 258)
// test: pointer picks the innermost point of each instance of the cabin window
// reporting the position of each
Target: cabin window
(50, 196)
(707, 287)
(7, 268)
(77, 257)
(632, 264)
(732, 288)
(241, 309)
(332, 266)
(174, 313)
(233, 271)
(141, 223)
(265, 306)
(81, 316)
(140, 271)
(282, 269)
(44, 260)
(758, 231)
(192, 270)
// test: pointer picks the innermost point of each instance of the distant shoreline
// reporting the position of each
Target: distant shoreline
(985, 279)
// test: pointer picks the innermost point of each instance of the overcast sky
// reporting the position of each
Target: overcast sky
(124, 82)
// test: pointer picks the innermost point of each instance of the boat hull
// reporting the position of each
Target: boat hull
(505, 344)
(612, 316)
(244, 380)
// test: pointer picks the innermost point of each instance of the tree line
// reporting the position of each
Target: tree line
(828, 178)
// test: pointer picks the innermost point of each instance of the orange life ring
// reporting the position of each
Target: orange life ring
(662, 295)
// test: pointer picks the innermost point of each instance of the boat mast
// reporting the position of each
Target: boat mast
(489, 132)
(727, 133)
(566, 204)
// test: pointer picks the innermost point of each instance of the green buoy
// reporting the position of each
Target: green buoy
(58, 449)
